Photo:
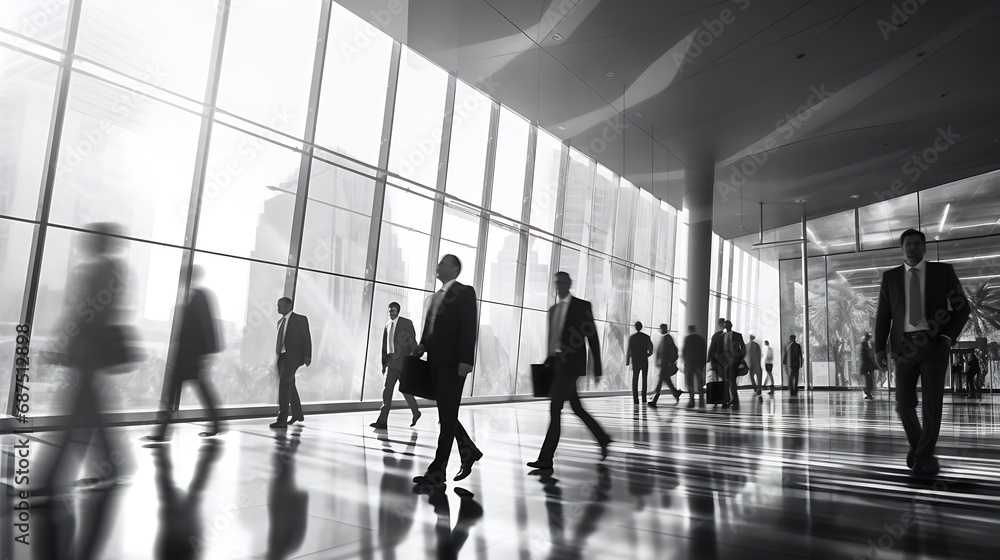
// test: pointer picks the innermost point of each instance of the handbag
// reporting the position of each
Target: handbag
(415, 379)
(742, 369)
(541, 379)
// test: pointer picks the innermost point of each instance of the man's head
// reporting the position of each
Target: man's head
(729, 325)
(766, 343)
(102, 239)
(664, 328)
(691, 329)
(638, 326)
(722, 323)
(868, 336)
(563, 283)
(914, 245)
(284, 305)
(449, 268)
(752, 338)
(791, 337)
(393, 310)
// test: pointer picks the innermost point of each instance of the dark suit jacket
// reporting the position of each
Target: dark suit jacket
(753, 356)
(867, 357)
(942, 289)
(793, 355)
(404, 340)
(102, 273)
(198, 336)
(640, 348)
(453, 341)
(694, 350)
(298, 342)
(721, 356)
(578, 330)
(666, 352)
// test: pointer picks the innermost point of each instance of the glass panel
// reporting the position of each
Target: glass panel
(143, 40)
(663, 294)
(411, 306)
(352, 97)
(822, 349)
(642, 299)
(338, 220)
(598, 290)
(459, 237)
(416, 128)
(628, 194)
(147, 302)
(792, 307)
(977, 264)
(678, 308)
(538, 277)
(404, 245)
(41, 21)
(883, 222)
(26, 106)
(470, 131)
(500, 278)
(617, 376)
(112, 141)
(339, 330)
(579, 197)
(532, 349)
(621, 286)
(602, 222)
(15, 249)
(726, 261)
(643, 229)
(275, 67)
(666, 239)
(509, 169)
(966, 208)
(246, 294)
(545, 186)
(496, 359)
(831, 234)
(249, 197)
(573, 262)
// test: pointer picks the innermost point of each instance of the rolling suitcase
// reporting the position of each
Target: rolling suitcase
(714, 388)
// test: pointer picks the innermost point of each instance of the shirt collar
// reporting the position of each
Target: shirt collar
(447, 285)
(921, 266)
(566, 299)
(391, 321)
(285, 316)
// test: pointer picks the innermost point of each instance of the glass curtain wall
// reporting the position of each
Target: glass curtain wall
(336, 174)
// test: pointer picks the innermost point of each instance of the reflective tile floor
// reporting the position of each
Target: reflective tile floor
(822, 475)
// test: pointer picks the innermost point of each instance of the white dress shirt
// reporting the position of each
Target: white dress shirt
(390, 330)
(558, 322)
(284, 329)
(921, 269)
(436, 302)
(769, 356)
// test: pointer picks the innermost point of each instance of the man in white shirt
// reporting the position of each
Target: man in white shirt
(769, 364)
(399, 338)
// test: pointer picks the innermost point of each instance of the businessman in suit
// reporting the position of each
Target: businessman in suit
(726, 353)
(694, 365)
(294, 349)
(571, 328)
(753, 360)
(922, 310)
(640, 348)
(398, 339)
(666, 360)
(868, 365)
(197, 339)
(449, 339)
(792, 359)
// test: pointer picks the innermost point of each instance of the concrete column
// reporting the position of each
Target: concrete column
(698, 203)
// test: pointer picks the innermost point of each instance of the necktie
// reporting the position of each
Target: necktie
(435, 307)
(916, 306)
(390, 338)
(281, 336)
(555, 329)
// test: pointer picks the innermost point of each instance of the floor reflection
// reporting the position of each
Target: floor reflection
(287, 503)
(181, 535)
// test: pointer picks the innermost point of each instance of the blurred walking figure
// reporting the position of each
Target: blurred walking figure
(769, 364)
(94, 340)
(294, 349)
(792, 358)
(972, 373)
(666, 360)
(197, 339)
(399, 338)
(753, 360)
(868, 365)
(726, 353)
(694, 365)
(640, 348)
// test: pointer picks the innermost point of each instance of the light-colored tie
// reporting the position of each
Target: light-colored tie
(916, 306)
(281, 336)
(555, 329)
(390, 338)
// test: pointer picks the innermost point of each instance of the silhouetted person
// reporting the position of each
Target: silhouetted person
(294, 349)
(449, 338)
(181, 528)
(726, 353)
(666, 361)
(769, 364)
(868, 366)
(694, 353)
(397, 503)
(571, 328)
(287, 504)
(399, 338)
(197, 339)
(753, 360)
(570, 543)
(921, 311)
(792, 359)
(972, 372)
(92, 323)
(640, 348)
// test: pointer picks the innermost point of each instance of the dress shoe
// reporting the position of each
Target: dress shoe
(677, 396)
(295, 419)
(690, 404)
(211, 433)
(278, 425)
(432, 478)
(416, 416)
(379, 426)
(540, 464)
(604, 448)
(466, 469)
(909, 459)
(155, 438)
(926, 469)
(734, 407)
(651, 404)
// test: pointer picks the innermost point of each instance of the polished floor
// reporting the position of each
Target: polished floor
(820, 475)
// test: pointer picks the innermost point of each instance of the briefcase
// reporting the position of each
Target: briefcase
(541, 379)
(715, 392)
(415, 379)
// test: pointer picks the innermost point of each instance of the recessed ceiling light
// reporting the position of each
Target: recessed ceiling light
(561, 127)
(855, 196)
(611, 74)
(801, 200)
(556, 37)
(800, 55)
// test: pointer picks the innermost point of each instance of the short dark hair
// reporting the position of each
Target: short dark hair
(394, 304)
(691, 328)
(664, 327)
(638, 325)
(287, 300)
(791, 337)
(458, 262)
(563, 273)
(766, 342)
(911, 231)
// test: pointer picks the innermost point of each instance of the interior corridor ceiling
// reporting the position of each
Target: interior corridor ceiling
(790, 100)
